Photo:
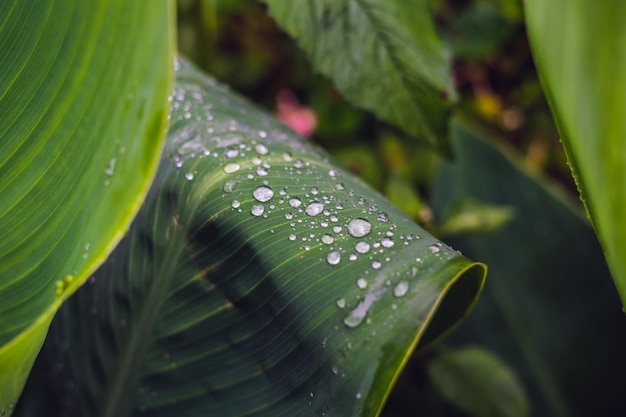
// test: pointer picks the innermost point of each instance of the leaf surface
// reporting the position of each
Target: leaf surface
(383, 55)
(83, 112)
(259, 279)
(581, 59)
(549, 309)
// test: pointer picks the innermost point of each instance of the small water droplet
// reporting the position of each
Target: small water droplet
(257, 209)
(229, 187)
(376, 265)
(287, 156)
(335, 369)
(189, 176)
(261, 149)
(359, 227)
(295, 202)
(341, 303)
(262, 172)
(362, 247)
(333, 258)
(358, 395)
(353, 320)
(230, 168)
(236, 204)
(333, 173)
(401, 289)
(433, 248)
(232, 153)
(339, 186)
(110, 169)
(292, 237)
(361, 283)
(289, 215)
(383, 217)
(387, 242)
(263, 194)
(328, 239)
(314, 208)
(337, 229)
(314, 191)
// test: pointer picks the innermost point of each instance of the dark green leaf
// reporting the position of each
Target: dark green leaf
(581, 58)
(83, 108)
(245, 286)
(549, 308)
(383, 55)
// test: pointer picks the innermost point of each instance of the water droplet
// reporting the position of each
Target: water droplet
(261, 149)
(359, 227)
(257, 209)
(287, 156)
(341, 303)
(333, 173)
(433, 248)
(383, 217)
(292, 237)
(298, 163)
(358, 395)
(333, 258)
(335, 369)
(314, 191)
(263, 194)
(337, 229)
(352, 257)
(362, 247)
(401, 289)
(232, 153)
(387, 242)
(230, 168)
(361, 283)
(339, 186)
(229, 187)
(376, 265)
(236, 204)
(328, 239)
(353, 320)
(295, 202)
(262, 172)
(289, 215)
(110, 167)
(314, 208)
(189, 176)
(262, 133)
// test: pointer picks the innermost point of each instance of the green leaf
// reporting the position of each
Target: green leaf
(83, 112)
(259, 279)
(477, 382)
(465, 215)
(580, 55)
(383, 55)
(549, 309)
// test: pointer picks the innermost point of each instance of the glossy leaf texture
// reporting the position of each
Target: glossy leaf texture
(83, 114)
(259, 279)
(549, 309)
(581, 59)
(383, 55)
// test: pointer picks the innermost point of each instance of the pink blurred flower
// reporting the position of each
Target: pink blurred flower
(289, 111)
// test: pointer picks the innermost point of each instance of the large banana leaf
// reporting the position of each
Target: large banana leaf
(549, 308)
(83, 108)
(579, 47)
(259, 280)
(383, 55)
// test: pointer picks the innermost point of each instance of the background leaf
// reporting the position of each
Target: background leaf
(580, 55)
(259, 279)
(383, 55)
(549, 308)
(83, 101)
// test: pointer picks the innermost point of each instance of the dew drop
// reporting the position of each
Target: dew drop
(361, 283)
(383, 217)
(337, 229)
(257, 209)
(232, 153)
(335, 369)
(359, 227)
(333, 173)
(289, 215)
(328, 239)
(110, 167)
(263, 194)
(230, 168)
(295, 202)
(362, 247)
(339, 186)
(314, 191)
(229, 187)
(261, 149)
(236, 204)
(387, 242)
(433, 248)
(376, 265)
(314, 208)
(287, 156)
(262, 172)
(341, 303)
(189, 176)
(352, 257)
(353, 320)
(292, 237)
(333, 258)
(401, 289)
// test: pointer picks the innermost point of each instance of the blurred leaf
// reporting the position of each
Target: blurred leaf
(83, 108)
(404, 196)
(363, 162)
(580, 55)
(258, 279)
(383, 55)
(477, 382)
(465, 216)
(478, 33)
(549, 308)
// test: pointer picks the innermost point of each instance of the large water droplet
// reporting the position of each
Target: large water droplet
(314, 208)
(263, 194)
(261, 149)
(362, 247)
(257, 209)
(401, 289)
(295, 202)
(359, 227)
(333, 258)
(353, 320)
(230, 168)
